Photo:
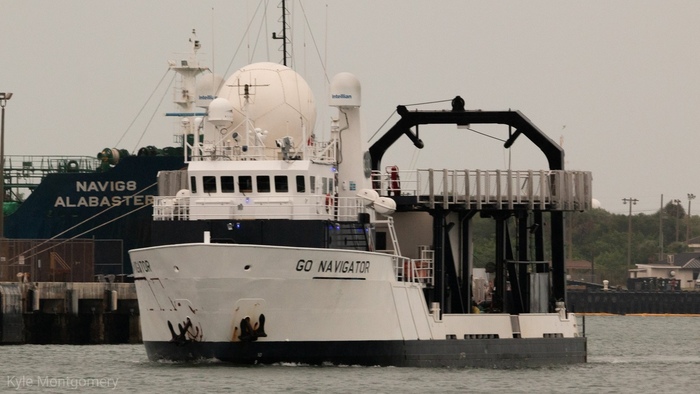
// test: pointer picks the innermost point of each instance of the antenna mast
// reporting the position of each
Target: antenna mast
(285, 55)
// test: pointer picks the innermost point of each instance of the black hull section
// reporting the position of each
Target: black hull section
(489, 353)
(634, 302)
(277, 232)
(86, 203)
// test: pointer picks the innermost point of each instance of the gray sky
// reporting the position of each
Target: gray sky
(615, 81)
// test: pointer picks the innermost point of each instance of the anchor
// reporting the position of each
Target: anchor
(182, 337)
(250, 333)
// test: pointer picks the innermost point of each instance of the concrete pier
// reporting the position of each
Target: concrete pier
(69, 313)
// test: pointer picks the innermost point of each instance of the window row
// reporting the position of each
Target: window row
(257, 184)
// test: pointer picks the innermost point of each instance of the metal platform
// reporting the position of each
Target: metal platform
(489, 189)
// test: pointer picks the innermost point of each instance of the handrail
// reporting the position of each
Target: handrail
(544, 189)
(301, 207)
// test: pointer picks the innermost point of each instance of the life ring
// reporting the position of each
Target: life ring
(72, 166)
(394, 182)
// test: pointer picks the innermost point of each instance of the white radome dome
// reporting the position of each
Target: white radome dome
(595, 204)
(280, 101)
(207, 85)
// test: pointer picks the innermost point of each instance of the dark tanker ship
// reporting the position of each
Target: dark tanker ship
(73, 219)
(73, 212)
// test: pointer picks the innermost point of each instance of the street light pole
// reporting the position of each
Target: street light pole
(631, 201)
(3, 101)
(691, 197)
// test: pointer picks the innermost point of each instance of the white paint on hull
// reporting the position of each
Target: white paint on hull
(305, 295)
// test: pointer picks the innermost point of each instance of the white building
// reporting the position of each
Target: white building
(682, 267)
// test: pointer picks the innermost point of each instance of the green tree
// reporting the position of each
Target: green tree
(602, 238)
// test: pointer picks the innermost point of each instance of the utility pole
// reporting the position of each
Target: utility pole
(661, 229)
(631, 201)
(4, 96)
(691, 197)
(677, 202)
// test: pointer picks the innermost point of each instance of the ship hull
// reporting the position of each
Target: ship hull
(250, 304)
(482, 353)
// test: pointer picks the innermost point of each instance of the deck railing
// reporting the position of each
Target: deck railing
(555, 190)
(258, 207)
(472, 189)
(420, 270)
(316, 151)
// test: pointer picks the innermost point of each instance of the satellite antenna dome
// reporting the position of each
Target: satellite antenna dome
(220, 112)
(271, 97)
(345, 91)
(206, 88)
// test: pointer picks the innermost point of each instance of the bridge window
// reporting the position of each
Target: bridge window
(227, 184)
(301, 185)
(193, 184)
(245, 183)
(281, 184)
(263, 183)
(312, 184)
(209, 184)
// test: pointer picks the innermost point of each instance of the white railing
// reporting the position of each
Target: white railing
(218, 207)
(420, 270)
(316, 151)
(557, 190)
(322, 152)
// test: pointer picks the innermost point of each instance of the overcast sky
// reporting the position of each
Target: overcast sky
(615, 81)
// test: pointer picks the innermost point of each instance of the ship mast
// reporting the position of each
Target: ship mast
(185, 96)
(285, 55)
(188, 69)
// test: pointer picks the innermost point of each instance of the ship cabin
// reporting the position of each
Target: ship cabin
(270, 189)
(267, 202)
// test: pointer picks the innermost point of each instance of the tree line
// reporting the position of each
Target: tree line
(602, 238)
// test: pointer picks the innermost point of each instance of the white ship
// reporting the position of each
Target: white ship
(275, 247)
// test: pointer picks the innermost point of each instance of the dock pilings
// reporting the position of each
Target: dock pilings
(68, 313)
